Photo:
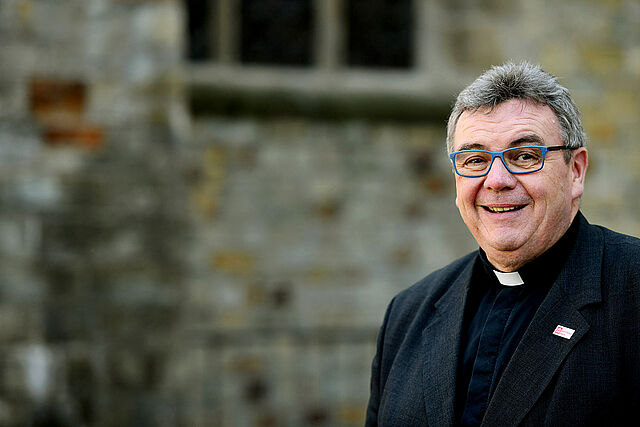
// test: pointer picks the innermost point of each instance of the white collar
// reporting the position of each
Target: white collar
(509, 279)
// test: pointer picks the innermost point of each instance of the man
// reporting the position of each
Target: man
(541, 325)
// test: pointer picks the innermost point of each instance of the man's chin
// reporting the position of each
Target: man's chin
(506, 257)
(506, 246)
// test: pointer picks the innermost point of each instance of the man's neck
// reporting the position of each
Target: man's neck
(508, 262)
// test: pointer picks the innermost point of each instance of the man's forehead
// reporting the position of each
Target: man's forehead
(527, 138)
(516, 120)
(512, 106)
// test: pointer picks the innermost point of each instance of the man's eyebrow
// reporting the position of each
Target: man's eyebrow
(528, 139)
(472, 146)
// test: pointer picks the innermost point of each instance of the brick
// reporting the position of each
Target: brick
(602, 59)
(234, 262)
(75, 134)
(18, 323)
(210, 180)
(351, 414)
(599, 127)
(55, 99)
(328, 209)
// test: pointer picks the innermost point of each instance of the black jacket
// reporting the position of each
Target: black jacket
(591, 378)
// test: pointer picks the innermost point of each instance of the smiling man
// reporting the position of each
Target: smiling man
(515, 216)
(541, 325)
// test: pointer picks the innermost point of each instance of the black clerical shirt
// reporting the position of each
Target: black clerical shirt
(496, 317)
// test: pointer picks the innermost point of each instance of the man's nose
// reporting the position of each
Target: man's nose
(499, 178)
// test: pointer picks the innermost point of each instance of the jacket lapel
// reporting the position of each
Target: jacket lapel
(441, 343)
(540, 352)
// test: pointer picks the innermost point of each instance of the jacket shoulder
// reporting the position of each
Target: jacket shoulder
(620, 257)
(624, 242)
(430, 288)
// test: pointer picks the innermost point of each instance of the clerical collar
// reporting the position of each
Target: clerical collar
(509, 279)
(543, 269)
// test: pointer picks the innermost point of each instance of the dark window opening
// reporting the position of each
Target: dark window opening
(201, 29)
(380, 33)
(278, 32)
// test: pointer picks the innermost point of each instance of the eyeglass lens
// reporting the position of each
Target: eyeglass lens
(517, 160)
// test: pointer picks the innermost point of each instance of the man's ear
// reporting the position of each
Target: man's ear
(579, 164)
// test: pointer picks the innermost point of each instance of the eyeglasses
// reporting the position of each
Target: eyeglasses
(517, 160)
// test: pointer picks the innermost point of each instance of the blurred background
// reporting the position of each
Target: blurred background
(205, 206)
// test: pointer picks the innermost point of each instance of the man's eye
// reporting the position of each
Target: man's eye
(527, 156)
(475, 161)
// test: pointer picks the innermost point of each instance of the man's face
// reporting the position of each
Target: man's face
(515, 218)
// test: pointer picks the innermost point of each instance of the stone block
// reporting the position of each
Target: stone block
(602, 59)
(235, 262)
(19, 322)
(20, 238)
(600, 128)
(54, 100)
(77, 134)
(475, 46)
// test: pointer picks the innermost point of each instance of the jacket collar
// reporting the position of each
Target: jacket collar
(441, 347)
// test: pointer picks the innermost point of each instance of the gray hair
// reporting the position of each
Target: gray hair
(520, 81)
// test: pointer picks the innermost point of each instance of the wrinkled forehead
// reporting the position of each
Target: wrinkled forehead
(506, 121)
(513, 105)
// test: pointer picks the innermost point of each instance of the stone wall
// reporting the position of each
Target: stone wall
(162, 268)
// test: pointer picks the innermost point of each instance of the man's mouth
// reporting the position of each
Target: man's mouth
(495, 209)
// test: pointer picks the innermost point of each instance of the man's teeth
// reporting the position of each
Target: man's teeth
(509, 209)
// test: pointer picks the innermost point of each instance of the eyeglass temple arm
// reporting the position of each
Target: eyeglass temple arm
(560, 147)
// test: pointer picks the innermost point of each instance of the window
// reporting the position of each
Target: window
(380, 33)
(276, 32)
(375, 33)
(200, 31)
(372, 58)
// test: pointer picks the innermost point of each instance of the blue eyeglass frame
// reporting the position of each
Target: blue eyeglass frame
(500, 154)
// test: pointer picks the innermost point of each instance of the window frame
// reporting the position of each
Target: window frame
(328, 84)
